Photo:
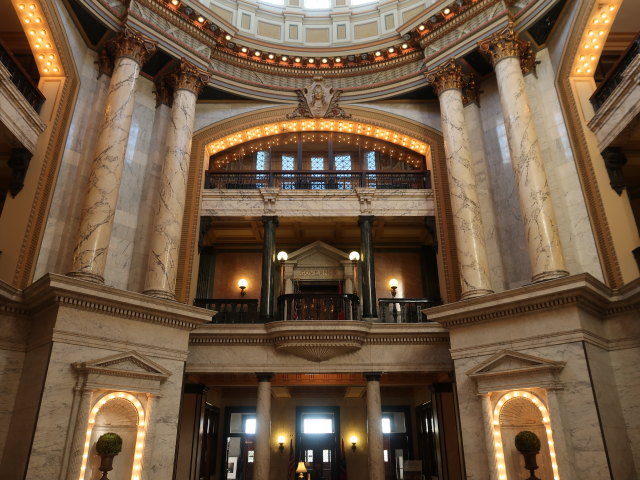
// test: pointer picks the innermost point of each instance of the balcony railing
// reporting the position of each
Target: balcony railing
(21, 79)
(615, 76)
(318, 306)
(318, 180)
(404, 310)
(230, 310)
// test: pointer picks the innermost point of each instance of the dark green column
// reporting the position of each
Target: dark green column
(268, 268)
(368, 294)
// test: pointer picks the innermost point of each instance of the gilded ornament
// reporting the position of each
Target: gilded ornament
(318, 101)
(163, 92)
(105, 63)
(470, 91)
(446, 77)
(189, 77)
(502, 44)
(132, 45)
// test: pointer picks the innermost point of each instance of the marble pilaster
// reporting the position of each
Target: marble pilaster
(79, 434)
(374, 427)
(510, 56)
(470, 242)
(165, 239)
(368, 275)
(263, 428)
(90, 253)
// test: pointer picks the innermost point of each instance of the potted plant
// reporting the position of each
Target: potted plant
(528, 444)
(108, 446)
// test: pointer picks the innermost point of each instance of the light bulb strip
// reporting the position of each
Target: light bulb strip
(38, 34)
(140, 437)
(497, 435)
(324, 125)
(594, 37)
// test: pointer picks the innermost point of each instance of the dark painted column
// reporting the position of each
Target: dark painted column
(431, 282)
(368, 293)
(268, 268)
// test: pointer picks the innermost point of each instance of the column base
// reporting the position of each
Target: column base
(481, 292)
(87, 277)
(160, 294)
(371, 319)
(543, 276)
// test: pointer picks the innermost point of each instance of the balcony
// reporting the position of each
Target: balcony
(310, 307)
(318, 180)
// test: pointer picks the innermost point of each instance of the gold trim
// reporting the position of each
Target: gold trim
(444, 218)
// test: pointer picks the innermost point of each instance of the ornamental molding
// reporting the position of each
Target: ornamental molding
(133, 45)
(188, 77)
(128, 364)
(318, 100)
(446, 77)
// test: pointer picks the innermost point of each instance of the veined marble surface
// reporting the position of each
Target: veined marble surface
(90, 253)
(165, 239)
(467, 219)
(545, 252)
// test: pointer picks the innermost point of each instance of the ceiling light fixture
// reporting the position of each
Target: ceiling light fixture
(338, 60)
(446, 11)
(405, 46)
(391, 50)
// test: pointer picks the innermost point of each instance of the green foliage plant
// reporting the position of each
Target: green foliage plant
(109, 444)
(527, 442)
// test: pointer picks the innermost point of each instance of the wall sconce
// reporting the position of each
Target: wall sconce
(301, 469)
(393, 285)
(242, 284)
(282, 257)
(354, 257)
(354, 441)
(281, 443)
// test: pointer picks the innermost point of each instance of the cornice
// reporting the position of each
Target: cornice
(63, 291)
(583, 291)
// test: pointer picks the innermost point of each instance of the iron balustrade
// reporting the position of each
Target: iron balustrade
(318, 180)
(318, 306)
(230, 310)
(20, 78)
(404, 310)
(615, 76)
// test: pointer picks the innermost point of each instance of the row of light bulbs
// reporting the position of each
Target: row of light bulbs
(593, 39)
(39, 38)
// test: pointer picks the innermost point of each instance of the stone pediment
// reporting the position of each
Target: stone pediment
(127, 364)
(508, 362)
(318, 253)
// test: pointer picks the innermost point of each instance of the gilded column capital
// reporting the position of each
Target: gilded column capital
(133, 45)
(527, 59)
(105, 63)
(163, 92)
(470, 92)
(189, 77)
(446, 77)
(502, 44)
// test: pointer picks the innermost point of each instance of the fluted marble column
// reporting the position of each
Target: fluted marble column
(90, 253)
(162, 267)
(467, 221)
(374, 427)
(262, 461)
(510, 56)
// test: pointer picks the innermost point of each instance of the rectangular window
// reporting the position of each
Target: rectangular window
(288, 182)
(386, 425)
(261, 164)
(317, 4)
(386, 456)
(343, 163)
(326, 456)
(317, 425)
(317, 163)
(250, 425)
(371, 165)
(250, 456)
(308, 456)
(287, 162)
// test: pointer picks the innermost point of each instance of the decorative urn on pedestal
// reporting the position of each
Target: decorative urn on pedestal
(528, 444)
(108, 446)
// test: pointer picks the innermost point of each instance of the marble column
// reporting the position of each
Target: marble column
(162, 266)
(374, 427)
(90, 253)
(262, 458)
(510, 56)
(467, 221)
(368, 275)
(268, 267)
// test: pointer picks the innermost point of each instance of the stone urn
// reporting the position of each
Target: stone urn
(528, 444)
(108, 446)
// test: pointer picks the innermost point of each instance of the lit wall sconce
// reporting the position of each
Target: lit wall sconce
(282, 257)
(242, 284)
(354, 257)
(393, 285)
(281, 443)
(301, 469)
(354, 441)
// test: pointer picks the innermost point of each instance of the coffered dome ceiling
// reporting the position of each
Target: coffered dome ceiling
(264, 50)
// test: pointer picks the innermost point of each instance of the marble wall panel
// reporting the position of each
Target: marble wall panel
(425, 112)
(216, 111)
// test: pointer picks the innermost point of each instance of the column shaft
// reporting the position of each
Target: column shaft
(167, 228)
(543, 241)
(374, 427)
(470, 243)
(90, 253)
(268, 267)
(368, 282)
(262, 460)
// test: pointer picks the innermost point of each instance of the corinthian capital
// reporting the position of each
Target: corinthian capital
(502, 44)
(133, 45)
(446, 77)
(189, 77)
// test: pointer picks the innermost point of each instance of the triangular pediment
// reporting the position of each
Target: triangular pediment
(318, 253)
(508, 362)
(129, 364)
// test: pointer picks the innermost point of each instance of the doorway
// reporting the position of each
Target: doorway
(239, 443)
(318, 431)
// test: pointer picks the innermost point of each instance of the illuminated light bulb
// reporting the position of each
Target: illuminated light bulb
(244, 49)
(21, 6)
(606, 21)
(612, 8)
(285, 58)
(48, 45)
(32, 32)
(201, 19)
(446, 11)
(601, 32)
(48, 64)
(26, 20)
(56, 69)
(257, 53)
(41, 57)
(405, 46)
(42, 32)
(593, 57)
(586, 45)
(586, 65)
(32, 7)
(391, 50)
(38, 19)
(271, 56)
(378, 53)
(325, 60)
(311, 60)
(338, 60)
(30, 14)
(421, 27)
(297, 59)
(175, 2)
(590, 33)
(596, 46)
(581, 57)
(596, 21)
(603, 15)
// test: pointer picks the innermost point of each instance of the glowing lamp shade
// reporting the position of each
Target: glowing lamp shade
(301, 468)
(354, 256)
(353, 439)
(281, 440)
(242, 283)
(393, 283)
(282, 256)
